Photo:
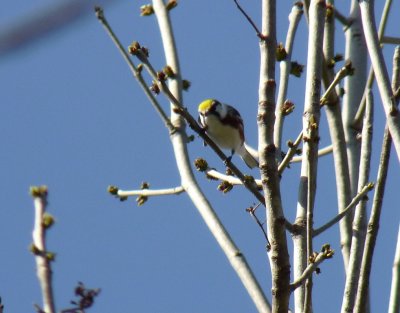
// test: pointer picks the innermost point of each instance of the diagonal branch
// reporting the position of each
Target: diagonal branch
(134, 70)
(346, 70)
(317, 259)
(360, 214)
(371, 77)
(248, 18)
(346, 211)
(285, 67)
(381, 73)
(293, 148)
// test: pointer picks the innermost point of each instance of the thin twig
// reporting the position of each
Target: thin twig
(346, 211)
(213, 173)
(252, 212)
(321, 152)
(290, 154)
(390, 40)
(317, 259)
(248, 18)
(295, 159)
(150, 192)
(342, 73)
(134, 70)
(341, 18)
(285, 67)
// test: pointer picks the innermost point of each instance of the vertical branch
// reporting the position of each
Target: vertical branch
(354, 90)
(336, 130)
(42, 257)
(311, 119)
(179, 143)
(373, 225)
(380, 70)
(357, 123)
(279, 256)
(285, 66)
(360, 218)
(356, 51)
(303, 240)
(394, 302)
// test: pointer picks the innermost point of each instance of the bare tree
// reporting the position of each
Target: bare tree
(350, 127)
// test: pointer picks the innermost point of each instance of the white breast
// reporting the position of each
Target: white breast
(225, 136)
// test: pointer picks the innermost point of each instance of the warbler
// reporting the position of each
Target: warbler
(224, 125)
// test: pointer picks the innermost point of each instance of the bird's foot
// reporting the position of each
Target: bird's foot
(228, 161)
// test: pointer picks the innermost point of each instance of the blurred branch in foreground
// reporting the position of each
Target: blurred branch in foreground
(42, 23)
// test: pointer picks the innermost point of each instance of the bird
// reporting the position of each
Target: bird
(224, 125)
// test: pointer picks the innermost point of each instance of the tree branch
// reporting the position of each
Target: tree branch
(394, 302)
(373, 225)
(134, 70)
(336, 128)
(321, 152)
(279, 256)
(341, 18)
(380, 70)
(42, 256)
(371, 75)
(285, 67)
(248, 18)
(346, 211)
(360, 216)
(293, 148)
(346, 70)
(150, 192)
(311, 120)
(317, 259)
(210, 172)
(390, 40)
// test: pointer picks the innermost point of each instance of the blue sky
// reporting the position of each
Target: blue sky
(72, 117)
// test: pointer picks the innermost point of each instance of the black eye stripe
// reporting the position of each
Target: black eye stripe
(213, 105)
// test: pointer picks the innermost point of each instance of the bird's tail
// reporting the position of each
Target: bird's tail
(244, 153)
